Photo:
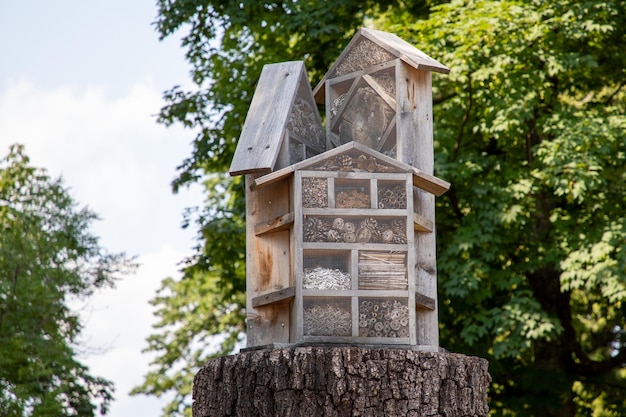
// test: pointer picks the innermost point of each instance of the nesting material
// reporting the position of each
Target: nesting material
(352, 199)
(382, 271)
(354, 229)
(314, 192)
(327, 320)
(337, 104)
(392, 197)
(304, 123)
(354, 162)
(383, 318)
(363, 55)
(387, 82)
(320, 278)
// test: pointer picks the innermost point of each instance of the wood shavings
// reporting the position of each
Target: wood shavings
(352, 199)
(320, 278)
(314, 192)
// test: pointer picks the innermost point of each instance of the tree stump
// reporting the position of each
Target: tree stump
(322, 381)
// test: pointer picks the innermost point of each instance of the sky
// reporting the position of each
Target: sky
(80, 84)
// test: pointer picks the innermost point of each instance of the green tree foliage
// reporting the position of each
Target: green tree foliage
(47, 259)
(531, 132)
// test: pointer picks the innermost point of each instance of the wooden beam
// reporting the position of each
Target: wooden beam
(283, 295)
(424, 301)
(272, 177)
(422, 224)
(429, 183)
(277, 224)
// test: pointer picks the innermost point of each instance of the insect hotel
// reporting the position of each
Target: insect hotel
(340, 219)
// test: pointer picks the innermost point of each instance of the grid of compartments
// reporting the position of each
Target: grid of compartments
(354, 256)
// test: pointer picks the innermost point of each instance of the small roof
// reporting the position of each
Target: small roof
(421, 179)
(263, 131)
(388, 43)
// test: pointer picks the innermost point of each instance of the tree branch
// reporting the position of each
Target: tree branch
(468, 109)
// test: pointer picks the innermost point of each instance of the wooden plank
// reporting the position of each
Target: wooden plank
(339, 116)
(262, 133)
(404, 50)
(425, 301)
(371, 81)
(369, 70)
(277, 224)
(415, 148)
(422, 224)
(267, 264)
(284, 295)
(430, 183)
(272, 177)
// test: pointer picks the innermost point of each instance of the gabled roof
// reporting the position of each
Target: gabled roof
(367, 160)
(369, 47)
(268, 116)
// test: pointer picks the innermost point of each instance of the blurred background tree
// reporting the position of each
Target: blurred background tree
(48, 258)
(530, 129)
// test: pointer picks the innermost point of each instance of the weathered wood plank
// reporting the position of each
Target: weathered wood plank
(283, 295)
(268, 261)
(422, 224)
(276, 224)
(425, 301)
(391, 101)
(430, 183)
(262, 133)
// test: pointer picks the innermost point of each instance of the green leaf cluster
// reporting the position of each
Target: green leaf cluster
(530, 129)
(48, 258)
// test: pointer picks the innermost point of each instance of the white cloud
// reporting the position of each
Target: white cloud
(118, 161)
(119, 319)
(111, 153)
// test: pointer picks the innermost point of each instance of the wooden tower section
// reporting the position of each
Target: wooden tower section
(283, 125)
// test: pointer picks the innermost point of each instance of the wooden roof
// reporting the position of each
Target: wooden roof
(392, 44)
(421, 179)
(263, 131)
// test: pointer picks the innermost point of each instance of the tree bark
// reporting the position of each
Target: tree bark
(322, 381)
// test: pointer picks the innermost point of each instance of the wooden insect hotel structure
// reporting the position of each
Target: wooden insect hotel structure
(340, 220)
(341, 266)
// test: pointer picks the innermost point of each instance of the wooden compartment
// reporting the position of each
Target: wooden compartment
(392, 195)
(327, 316)
(383, 317)
(352, 193)
(314, 192)
(347, 222)
(382, 270)
(326, 270)
(355, 229)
